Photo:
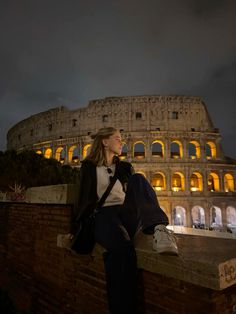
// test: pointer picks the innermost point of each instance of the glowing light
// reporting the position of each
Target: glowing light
(176, 189)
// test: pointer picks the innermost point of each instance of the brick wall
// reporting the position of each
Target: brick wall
(41, 278)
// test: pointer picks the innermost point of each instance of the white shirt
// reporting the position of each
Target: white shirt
(117, 195)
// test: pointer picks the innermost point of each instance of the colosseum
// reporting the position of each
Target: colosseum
(171, 140)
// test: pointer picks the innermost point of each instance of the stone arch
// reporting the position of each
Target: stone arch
(198, 216)
(139, 150)
(176, 149)
(73, 154)
(86, 150)
(179, 216)
(60, 154)
(48, 153)
(216, 216)
(196, 183)
(177, 182)
(158, 181)
(228, 182)
(124, 151)
(213, 182)
(210, 148)
(158, 149)
(194, 150)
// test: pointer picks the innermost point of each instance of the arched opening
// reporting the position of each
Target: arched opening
(194, 150)
(60, 154)
(139, 150)
(228, 182)
(124, 151)
(213, 184)
(179, 216)
(176, 150)
(231, 216)
(210, 148)
(196, 182)
(48, 153)
(73, 154)
(198, 217)
(216, 217)
(86, 150)
(158, 181)
(158, 149)
(177, 182)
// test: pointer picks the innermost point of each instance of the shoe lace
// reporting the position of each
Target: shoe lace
(170, 233)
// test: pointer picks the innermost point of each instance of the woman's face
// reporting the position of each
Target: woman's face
(113, 144)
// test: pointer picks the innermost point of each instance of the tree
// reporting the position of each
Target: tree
(30, 169)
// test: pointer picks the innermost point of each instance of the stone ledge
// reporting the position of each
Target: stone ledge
(202, 261)
(205, 261)
(51, 194)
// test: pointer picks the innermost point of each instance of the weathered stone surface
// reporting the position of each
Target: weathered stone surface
(205, 261)
(53, 194)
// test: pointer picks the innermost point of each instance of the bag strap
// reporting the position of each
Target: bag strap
(108, 190)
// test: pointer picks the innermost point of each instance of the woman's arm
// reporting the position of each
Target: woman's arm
(86, 196)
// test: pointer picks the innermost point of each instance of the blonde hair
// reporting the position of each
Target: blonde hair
(97, 152)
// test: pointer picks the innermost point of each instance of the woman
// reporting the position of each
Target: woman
(130, 206)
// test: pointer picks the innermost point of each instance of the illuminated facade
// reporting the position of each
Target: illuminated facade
(171, 140)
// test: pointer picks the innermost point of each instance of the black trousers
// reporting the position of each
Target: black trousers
(115, 229)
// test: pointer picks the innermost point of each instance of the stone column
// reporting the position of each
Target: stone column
(130, 144)
(185, 149)
(224, 214)
(207, 214)
(168, 180)
(186, 179)
(80, 150)
(167, 148)
(188, 217)
(66, 160)
(148, 149)
(221, 181)
(202, 150)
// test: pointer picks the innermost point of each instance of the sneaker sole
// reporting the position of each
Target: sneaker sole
(166, 251)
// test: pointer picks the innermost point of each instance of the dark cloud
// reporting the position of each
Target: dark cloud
(56, 52)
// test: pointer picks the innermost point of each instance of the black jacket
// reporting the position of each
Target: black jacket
(87, 198)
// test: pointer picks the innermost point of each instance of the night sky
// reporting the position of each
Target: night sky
(66, 52)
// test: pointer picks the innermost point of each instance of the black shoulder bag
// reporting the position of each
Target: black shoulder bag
(84, 239)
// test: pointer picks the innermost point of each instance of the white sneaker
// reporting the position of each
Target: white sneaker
(164, 241)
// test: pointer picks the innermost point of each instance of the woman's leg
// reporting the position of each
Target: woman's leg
(142, 202)
(141, 199)
(119, 260)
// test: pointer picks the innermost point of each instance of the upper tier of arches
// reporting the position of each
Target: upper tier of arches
(139, 150)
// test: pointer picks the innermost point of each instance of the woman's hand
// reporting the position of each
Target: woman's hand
(69, 236)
